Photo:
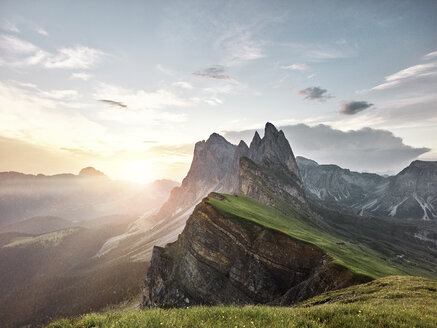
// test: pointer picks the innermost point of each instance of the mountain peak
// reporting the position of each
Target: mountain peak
(256, 141)
(270, 130)
(216, 138)
(90, 172)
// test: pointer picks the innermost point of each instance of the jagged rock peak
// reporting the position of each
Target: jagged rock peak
(242, 145)
(270, 130)
(216, 138)
(256, 141)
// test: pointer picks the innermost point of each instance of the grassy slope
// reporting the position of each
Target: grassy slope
(397, 301)
(357, 257)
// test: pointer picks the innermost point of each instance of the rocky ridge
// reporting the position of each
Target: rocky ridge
(217, 260)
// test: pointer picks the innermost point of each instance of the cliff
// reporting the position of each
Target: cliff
(222, 259)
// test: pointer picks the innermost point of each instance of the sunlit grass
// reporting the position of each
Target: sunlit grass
(386, 302)
(358, 258)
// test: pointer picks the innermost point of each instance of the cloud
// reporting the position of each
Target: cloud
(165, 70)
(113, 103)
(217, 72)
(45, 117)
(142, 99)
(17, 52)
(296, 67)
(81, 76)
(10, 27)
(77, 57)
(366, 149)
(238, 46)
(431, 55)
(41, 31)
(318, 52)
(183, 85)
(315, 93)
(410, 75)
(354, 107)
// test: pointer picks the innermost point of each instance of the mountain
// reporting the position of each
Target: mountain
(266, 170)
(75, 197)
(47, 263)
(38, 225)
(55, 274)
(411, 194)
(268, 244)
(224, 259)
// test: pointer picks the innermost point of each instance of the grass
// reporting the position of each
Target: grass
(354, 256)
(397, 301)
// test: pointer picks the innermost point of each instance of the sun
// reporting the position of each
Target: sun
(139, 171)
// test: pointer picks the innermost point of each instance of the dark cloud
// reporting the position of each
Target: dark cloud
(354, 107)
(315, 93)
(361, 150)
(113, 103)
(214, 72)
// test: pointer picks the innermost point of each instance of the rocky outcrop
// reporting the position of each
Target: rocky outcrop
(411, 194)
(212, 161)
(334, 185)
(221, 260)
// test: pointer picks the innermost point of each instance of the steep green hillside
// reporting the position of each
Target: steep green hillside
(346, 251)
(397, 301)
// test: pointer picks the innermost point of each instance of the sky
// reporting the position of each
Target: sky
(129, 87)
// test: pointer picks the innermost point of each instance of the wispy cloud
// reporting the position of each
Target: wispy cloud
(315, 93)
(216, 72)
(296, 67)
(183, 85)
(354, 107)
(319, 52)
(113, 103)
(45, 117)
(165, 70)
(411, 74)
(81, 76)
(141, 99)
(21, 53)
(41, 31)
(76, 57)
(239, 46)
(10, 27)
(431, 55)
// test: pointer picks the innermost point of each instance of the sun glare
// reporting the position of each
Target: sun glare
(139, 172)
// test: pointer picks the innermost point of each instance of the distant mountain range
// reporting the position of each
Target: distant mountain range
(88, 195)
(411, 194)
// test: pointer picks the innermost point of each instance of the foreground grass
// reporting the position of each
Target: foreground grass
(399, 301)
(356, 257)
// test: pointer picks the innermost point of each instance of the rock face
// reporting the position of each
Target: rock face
(212, 161)
(411, 194)
(332, 184)
(217, 260)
